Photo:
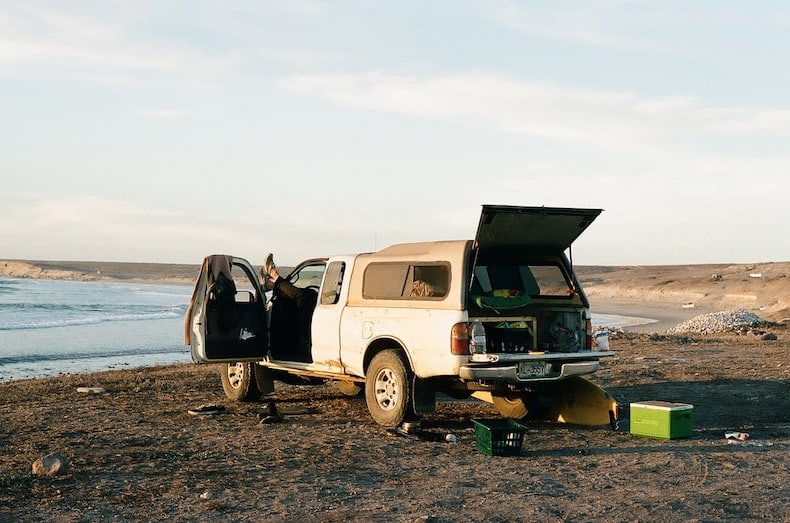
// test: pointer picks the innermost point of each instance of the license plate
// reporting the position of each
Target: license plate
(527, 369)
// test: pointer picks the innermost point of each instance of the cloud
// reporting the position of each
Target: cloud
(101, 46)
(90, 227)
(162, 114)
(621, 120)
(590, 23)
(105, 229)
(669, 28)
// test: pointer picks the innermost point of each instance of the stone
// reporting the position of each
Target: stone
(736, 320)
(51, 465)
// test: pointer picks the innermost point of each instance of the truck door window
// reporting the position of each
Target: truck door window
(333, 283)
(308, 276)
(245, 288)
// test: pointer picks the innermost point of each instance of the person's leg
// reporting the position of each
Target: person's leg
(282, 286)
(285, 288)
(292, 314)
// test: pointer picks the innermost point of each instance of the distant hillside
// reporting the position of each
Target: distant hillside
(763, 287)
(88, 271)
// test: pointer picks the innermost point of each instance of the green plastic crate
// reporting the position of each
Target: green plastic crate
(499, 437)
(661, 419)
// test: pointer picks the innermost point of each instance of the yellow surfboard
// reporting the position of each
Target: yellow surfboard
(573, 400)
(581, 402)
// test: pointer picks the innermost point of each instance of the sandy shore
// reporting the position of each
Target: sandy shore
(136, 454)
(646, 316)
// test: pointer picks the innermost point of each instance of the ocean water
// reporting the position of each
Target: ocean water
(52, 327)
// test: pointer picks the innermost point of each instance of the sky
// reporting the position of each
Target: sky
(165, 131)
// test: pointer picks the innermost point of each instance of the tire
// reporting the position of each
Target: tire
(388, 389)
(349, 388)
(513, 405)
(238, 382)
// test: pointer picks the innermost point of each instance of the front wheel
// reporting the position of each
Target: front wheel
(513, 405)
(388, 389)
(238, 381)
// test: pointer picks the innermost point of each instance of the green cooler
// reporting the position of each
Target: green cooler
(661, 419)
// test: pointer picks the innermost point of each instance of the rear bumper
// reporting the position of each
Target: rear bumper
(509, 373)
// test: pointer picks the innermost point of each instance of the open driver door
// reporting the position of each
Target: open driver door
(226, 318)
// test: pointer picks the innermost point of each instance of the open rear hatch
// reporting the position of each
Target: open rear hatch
(505, 228)
(536, 237)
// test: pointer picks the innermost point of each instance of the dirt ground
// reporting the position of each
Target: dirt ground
(136, 454)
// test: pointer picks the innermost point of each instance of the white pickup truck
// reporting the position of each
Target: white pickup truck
(501, 317)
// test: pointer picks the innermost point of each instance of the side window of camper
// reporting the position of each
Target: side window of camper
(412, 281)
(430, 281)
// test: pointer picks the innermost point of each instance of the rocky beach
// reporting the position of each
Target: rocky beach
(123, 444)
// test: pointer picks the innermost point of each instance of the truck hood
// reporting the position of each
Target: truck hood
(505, 228)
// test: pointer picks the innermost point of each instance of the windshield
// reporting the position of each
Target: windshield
(308, 276)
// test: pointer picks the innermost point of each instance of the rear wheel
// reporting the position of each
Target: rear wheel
(388, 389)
(238, 381)
(512, 405)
